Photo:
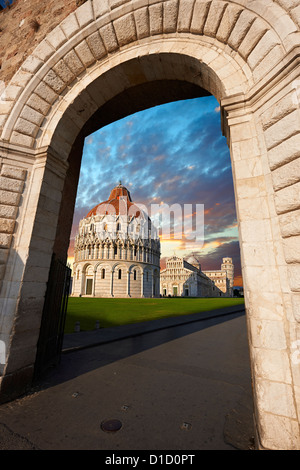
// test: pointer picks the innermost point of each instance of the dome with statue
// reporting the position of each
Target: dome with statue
(117, 250)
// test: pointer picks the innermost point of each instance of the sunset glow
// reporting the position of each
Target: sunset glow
(169, 154)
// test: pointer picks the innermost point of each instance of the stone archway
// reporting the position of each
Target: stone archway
(110, 58)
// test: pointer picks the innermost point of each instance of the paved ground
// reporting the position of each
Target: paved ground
(182, 387)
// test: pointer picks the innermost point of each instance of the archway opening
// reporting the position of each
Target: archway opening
(170, 153)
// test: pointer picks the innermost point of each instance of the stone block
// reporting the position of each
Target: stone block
(70, 25)
(285, 152)
(9, 184)
(32, 115)
(272, 365)
(286, 175)
(63, 71)
(296, 311)
(170, 14)
(287, 199)
(9, 198)
(200, 12)
(248, 188)
(248, 168)
(85, 14)
(229, 18)
(25, 127)
(8, 212)
(56, 37)
(5, 240)
(46, 93)
(279, 110)
(290, 223)
(108, 36)
(96, 45)
(263, 47)
(21, 78)
(100, 7)
(294, 277)
(7, 225)
(214, 17)
(38, 104)
(276, 398)
(267, 334)
(282, 130)
(84, 54)
(13, 172)
(291, 248)
(54, 82)
(44, 50)
(12, 93)
(125, 29)
(141, 17)
(273, 58)
(32, 64)
(156, 19)
(21, 139)
(73, 62)
(185, 12)
(241, 27)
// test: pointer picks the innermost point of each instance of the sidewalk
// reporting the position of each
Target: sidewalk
(174, 384)
(86, 339)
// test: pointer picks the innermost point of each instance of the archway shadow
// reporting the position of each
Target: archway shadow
(75, 363)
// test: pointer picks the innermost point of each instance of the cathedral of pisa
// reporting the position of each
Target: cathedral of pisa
(117, 254)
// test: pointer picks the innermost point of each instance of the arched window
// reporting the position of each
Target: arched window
(105, 227)
(134, 275)
(103, 273)
(118, 226)
(120, 274)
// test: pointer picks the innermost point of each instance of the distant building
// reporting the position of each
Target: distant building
(117, 251)
(223, 278)
(184, 278)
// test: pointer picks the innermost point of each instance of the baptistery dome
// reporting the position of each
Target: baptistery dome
(117, 250)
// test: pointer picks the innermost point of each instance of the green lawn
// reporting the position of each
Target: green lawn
(113, 312)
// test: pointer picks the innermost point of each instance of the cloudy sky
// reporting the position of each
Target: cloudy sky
(169, 154)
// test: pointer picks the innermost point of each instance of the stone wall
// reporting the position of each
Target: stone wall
(23, 26)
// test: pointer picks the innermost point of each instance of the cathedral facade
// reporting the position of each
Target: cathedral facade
(117, 251)
(184, 278)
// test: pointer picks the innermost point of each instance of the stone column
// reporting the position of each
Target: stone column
(259, 144)
(94, 282)
(27, 258)
(112, 284)
(142, 284)
(128, 284)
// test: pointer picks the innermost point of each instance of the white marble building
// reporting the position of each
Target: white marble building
(184, 278)
(117, 251)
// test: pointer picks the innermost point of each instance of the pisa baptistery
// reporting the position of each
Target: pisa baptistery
(116, 251)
